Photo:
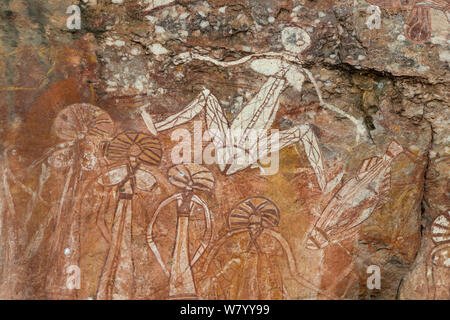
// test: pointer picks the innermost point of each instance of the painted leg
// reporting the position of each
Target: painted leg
(219, 131)
(314, 155)
(278, 141)
(106, 283)
(123, 275)
(216, 123)
(260, 112)
(360, 127)
(259, 149)
(312, 150)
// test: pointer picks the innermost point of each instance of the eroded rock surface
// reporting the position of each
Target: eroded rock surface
(94, 202)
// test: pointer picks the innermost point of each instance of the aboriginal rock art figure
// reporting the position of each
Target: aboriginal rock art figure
(355, 201)
(131, 153)
(439, 257)
(246, 262)
(83, 127)
(283, 70)
(190, 178)
(418, 24)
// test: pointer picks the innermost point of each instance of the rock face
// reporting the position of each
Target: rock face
(224, 149)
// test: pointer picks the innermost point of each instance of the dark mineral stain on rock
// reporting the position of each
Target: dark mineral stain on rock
(113, 163)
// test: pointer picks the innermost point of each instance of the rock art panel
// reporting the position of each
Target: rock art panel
(224, 150)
